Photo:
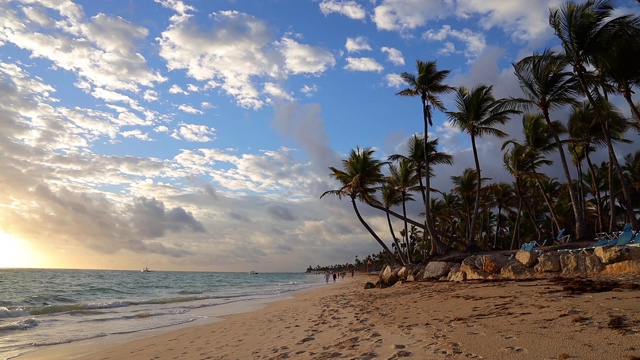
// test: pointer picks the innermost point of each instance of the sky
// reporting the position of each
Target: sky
(197, 135)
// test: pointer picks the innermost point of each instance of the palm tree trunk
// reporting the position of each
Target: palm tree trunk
(472, 230)
(406, 230)
(554, 218)
(436, 245)
(581, 225)
(595, 190)
(605, 129)
(495, 237)
(634, 110)
(375, 236)
(395, 240)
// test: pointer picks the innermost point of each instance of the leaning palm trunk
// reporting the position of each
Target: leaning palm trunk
(390, 253)
(395, 240)
(581, 225)
(554, 218)
(595, 191)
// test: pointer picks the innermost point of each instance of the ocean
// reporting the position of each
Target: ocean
(40, 308)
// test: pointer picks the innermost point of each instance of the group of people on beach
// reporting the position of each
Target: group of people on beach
(335, 275)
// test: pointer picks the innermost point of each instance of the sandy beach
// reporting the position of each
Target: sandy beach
(537, 319)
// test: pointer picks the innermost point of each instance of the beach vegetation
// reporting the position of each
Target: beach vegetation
(575, 102)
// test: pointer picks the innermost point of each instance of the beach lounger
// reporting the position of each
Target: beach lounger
(625, 238)
(613, 235)
(562, 238)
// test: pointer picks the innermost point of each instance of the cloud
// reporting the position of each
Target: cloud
(309, 90)
(394, 80)
(176, 89)
(235, 52)
(107, 56)
(189, 109)
(193, 132)
(475, 43)
(350, 9)
(393, 55)
(357, 44)
(401, 15)
(136, 134)
(363, 64)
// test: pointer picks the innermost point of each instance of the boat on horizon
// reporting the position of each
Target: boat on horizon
(146, 267)
(253, 272)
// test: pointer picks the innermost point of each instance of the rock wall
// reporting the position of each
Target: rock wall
(521, 265)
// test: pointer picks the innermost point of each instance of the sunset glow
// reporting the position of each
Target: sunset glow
(14, 253)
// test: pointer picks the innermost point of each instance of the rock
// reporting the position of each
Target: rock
(388, 276)
(614, 254)
(513, 269)
(572, 263)
(623, 267)
(472, 272)
(402, 273)
(369, 285)
(493, 263)
(455, 274)
(592, 264)
(436, 269)
(526, 258)
(548, 262)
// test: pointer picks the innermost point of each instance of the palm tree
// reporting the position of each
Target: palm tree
(515, 163)
(403, 179)
(428, 84)
(547, 85)
(586, 31)
(503, 196)
(360, 178)
(478, 112)
(391, 197)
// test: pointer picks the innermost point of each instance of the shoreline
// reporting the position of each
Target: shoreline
(535, 319)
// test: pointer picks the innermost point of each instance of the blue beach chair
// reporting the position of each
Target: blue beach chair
(562, 238)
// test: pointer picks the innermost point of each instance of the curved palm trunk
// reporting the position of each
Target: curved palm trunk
(406, 230)
(375, 236)
(395, 239)
(595, 190)
(437, 246)
(581, 225)
(554, 218)
(634, 110)
(472, 229)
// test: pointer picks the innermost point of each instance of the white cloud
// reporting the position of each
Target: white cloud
(309, 90)
(176, 89)
(363, 64)
(393, 55)
(276, 91)
(150, 95)
(394, 80)
(301, 59)
(357, 44)
(161, 129)
(194, 133)
(235, 53)
(207, 105)
(350, 9)
(136, 134)
(107, 56)
(474, 42)
(400, 15)
(189, 109)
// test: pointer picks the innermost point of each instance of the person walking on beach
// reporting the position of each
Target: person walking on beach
(326, 276)
(334, 277)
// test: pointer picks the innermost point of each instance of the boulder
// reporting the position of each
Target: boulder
(592, 264)
(526, 258)
(548, 262)
(572, 263)
(455, 274)
(513, 269)
(388, 276)
(614, 254)
(402, 273)
(493, 263)
(623, 267)
(472, 272)
(436, 269)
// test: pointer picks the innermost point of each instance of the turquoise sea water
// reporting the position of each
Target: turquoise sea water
(40, 308)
